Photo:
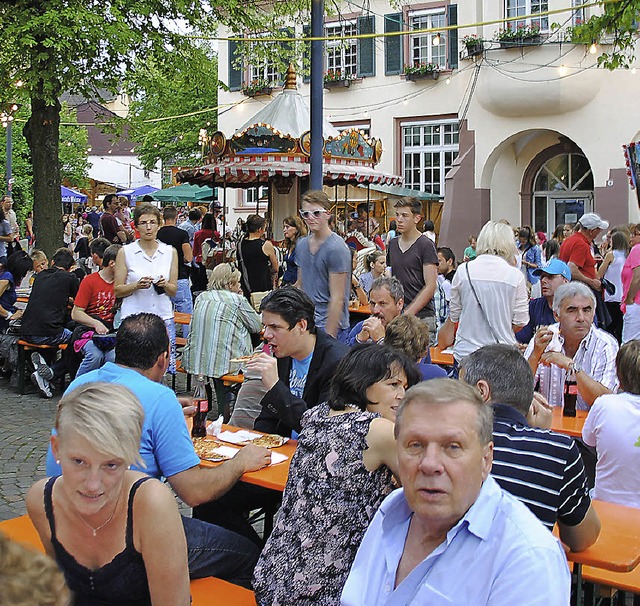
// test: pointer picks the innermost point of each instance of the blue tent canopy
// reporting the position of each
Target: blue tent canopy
(71, 196)
(138, 192)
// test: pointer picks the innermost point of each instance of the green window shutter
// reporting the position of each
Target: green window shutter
(306, 32)
(393, 45)
(366, 47)
(452, 19)
(235, 75)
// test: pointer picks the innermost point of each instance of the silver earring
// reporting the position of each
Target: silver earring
(57, 461)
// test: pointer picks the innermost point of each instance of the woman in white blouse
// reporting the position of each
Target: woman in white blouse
(146, 274)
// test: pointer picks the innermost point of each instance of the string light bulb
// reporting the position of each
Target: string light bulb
(562, 70)
(436, 40)
(593, 49)
(19, 83)
(633, 71)
(447, 81)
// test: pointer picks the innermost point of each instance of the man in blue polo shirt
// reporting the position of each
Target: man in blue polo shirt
(552, 275)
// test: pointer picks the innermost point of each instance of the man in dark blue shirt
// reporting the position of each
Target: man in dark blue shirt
(553, 274)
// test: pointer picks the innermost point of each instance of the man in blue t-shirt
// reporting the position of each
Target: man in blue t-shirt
(555, 273)
(142, 357)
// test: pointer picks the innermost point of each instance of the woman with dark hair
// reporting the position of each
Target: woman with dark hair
(257, 259)
(342, 470)
(392, 233)
(16, 268)
(293, 228)
(207, 231)
(611, 270)
(531, 257)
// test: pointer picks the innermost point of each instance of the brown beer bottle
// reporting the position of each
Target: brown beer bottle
(201, 403)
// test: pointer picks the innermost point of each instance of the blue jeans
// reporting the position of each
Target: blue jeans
(217, 552)
(183, 302)
(94, 358)
(171, 329)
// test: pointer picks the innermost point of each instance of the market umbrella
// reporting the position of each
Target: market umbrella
(71, 196)
(137, 192)
(185, 193)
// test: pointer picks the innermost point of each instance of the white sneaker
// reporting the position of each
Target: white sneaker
(42, 368)
(42, 384)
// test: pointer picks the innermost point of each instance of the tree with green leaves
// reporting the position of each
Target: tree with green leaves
(50, 47)
(183, 83)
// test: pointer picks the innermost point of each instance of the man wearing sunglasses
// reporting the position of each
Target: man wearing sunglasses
(324, 264)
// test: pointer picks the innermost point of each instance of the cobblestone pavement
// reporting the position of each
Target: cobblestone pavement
(25, 427)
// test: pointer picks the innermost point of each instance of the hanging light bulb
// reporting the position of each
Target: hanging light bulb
(436, 40)
(633, 71)
(447, 81)
(19, 83)
(562, 70)
(593, 49)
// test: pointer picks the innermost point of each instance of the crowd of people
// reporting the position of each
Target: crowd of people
(404, 471)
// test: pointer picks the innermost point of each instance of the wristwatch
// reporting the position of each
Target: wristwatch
(575, 368)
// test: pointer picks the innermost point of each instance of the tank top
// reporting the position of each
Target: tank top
(256, 264)
(121, 582)
(614, 275)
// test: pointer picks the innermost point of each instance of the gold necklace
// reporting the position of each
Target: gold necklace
(95, 530)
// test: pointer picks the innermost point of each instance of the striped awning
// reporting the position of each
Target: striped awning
(250, 171)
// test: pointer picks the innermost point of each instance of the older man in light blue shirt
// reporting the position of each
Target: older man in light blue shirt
(451, 535)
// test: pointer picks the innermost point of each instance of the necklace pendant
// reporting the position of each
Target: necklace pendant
(95, 532)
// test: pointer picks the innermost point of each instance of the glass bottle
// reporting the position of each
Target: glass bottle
(201, 403)
(570, 396)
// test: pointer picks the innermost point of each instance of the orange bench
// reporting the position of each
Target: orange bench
(23, 348)
(203, 591)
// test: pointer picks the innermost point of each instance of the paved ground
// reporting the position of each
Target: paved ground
(25, 427)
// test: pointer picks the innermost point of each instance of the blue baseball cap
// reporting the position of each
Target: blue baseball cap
(554, 267)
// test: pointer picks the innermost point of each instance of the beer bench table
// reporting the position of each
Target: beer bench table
(569, 426)
(203, 591)
(25, 347)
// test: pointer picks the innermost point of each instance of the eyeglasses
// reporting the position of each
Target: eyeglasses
(316, 214)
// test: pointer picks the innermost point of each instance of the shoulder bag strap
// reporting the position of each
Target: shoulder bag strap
(484, 315)
(243, 269)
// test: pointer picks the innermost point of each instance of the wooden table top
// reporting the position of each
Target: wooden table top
(273, 477)
(443, 359)
(570, 426)
(360, 309)
(618, 546)
(180, 317)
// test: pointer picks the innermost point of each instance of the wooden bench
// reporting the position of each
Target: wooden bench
(204, 592)
(25, 347)
(610, 582)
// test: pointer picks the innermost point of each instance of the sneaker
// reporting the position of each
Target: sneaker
(42, 368)
(42, 384)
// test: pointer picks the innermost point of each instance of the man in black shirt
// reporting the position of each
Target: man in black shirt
(179, 239)
(541, 468)
(45, 316)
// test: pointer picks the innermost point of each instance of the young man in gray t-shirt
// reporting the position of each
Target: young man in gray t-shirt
(324, 264)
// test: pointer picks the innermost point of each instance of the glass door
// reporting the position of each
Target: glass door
(567, 210)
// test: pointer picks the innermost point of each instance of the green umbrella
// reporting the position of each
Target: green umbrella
(184, 193)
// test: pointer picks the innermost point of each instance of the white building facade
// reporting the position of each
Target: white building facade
(532, 133)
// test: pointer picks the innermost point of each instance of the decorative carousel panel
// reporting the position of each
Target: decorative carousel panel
(217, 143)
(350, 143)
(260, 139)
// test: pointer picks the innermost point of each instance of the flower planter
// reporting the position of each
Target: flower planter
(259, 92)
(434, 75)
(474, 50)
(520, 42)
(345, 83)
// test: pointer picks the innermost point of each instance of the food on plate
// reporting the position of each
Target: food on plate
(241, 359)
(206, 449)
(269, 440)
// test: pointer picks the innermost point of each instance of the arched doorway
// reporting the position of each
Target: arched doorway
(562, 191)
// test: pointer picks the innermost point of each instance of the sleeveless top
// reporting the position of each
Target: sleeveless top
(140, 265)
(328, 502)
(614, 275)
(121, 582)
(256, 264)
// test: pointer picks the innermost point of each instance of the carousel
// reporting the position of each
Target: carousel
(272, 149)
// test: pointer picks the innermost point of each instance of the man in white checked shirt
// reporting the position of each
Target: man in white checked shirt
(585, 352)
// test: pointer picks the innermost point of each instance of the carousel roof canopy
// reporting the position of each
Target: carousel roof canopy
(276, 143)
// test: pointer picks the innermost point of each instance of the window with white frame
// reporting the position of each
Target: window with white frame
(264, 71)
(517, 8)
(428, 152)
(428, 47)
(256, 195)
(578, 16)
(342, 53)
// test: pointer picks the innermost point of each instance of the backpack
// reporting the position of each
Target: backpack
(209, 249)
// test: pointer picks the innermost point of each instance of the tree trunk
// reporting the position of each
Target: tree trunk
(42, 132)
